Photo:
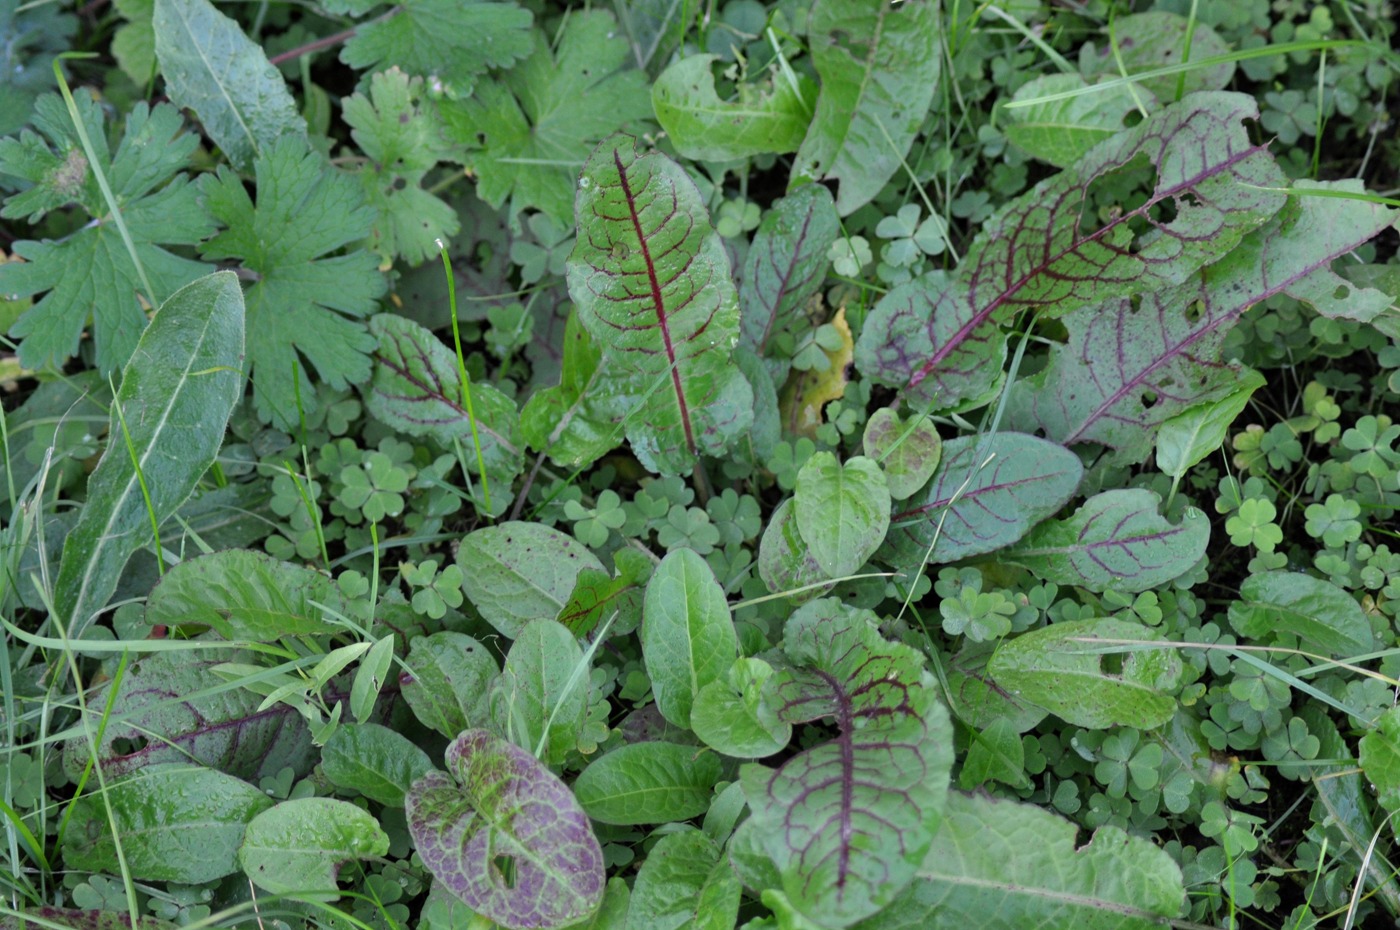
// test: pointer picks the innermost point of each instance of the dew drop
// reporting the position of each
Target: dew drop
(583, 182)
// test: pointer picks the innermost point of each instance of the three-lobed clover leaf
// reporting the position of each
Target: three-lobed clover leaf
(1334, 521)
(1253, 525)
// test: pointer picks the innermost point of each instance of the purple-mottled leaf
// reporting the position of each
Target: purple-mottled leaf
(987, 493)
(416, 389)
(75, 919)
(173, 708)
(653, 287)
(1147, 41)
(1116, 540)
(941, 339)
(784, 267)
(847, 821)
(1133, 363)
(508, 839)
(907, 452)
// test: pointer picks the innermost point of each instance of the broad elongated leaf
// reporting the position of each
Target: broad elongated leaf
(540, 700)
(940, 338)
(684, 884)
(1380, 758)
(516, 572)
(988, 491)
(842, 511)
(771, 117)
(652, 283)
(1316, 611)
(176, 395)
(380, 763)
(177, 822)
(245, 595)
(299, 846)
(651, 782)
(1062, 131)
(688, 637)
(1058, 668)
(1187, 438)
(212, 68)
(506, 811)
(447, 680)
(1116, 540)
(1133, 363)
(847, 822)
(417, 389)
(878, 80)
(1000, 865)
(785, 563)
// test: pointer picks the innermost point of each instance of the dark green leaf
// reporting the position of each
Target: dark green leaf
(648, 783)
(1318, 612)
(376, 761)
(447, 681)
(540, 700)
(684, 884)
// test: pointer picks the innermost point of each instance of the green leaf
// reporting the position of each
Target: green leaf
(842, 510)
(1118, 540)
(509, 813)
(996, 754)
(597, 595)
(298, 847)
(79, 919)
(447, 681)
(907, 452)
(1060, 668)
(134, 42)
(380, 763)
(212, 68)
(247, 596)
(785, 563)
(688, 638)
(736, 715)
(176, 395)
(977, 700)
(1190, 436)
(370, 677)
(452, 41)
(178, 823)
(417, 389)
(1000, 865)
(1156, 39)
(90, 274)
(533, 128)
(1318, 612)
(30, 39)
(303, 304)
(516, 572)
(649, 782)
(684, 884)
(399, 130)
(540, 701)
(653, 287)
(847, 821)
(564, 421)
(987, 493)
(1380, 758)
(767, 117)
(1063, 131)
(878, 80)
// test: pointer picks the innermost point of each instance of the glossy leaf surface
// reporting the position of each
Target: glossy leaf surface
(380, 763)
(447, 680)
(688, 638)
(650, 782)
(299, 846)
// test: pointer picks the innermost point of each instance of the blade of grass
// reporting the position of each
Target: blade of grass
(462, 376)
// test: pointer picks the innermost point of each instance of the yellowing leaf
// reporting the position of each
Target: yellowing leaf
(807, 392)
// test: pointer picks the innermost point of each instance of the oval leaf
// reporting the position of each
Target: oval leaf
(771, 118)
(908, 452)
(688, 638)
(686, 884)
(1380, 759)
(516, 572)
(1316, 611)
(510, 814)
(736, 716)
(648, 783)
(842, 510)
(540, 700)
(298, 847)
(785, 563)
(376, 761)
(447, 681)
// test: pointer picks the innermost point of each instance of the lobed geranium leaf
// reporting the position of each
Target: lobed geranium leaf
(846, 822)
(380, 763)
(770, 116)
(987, 493)
(908, 453)
(688, 637)
(1117, 540)
(1133, 363)
(508, 838)
(685, 883)
(1060, 668)
(940, 337)
(516, 572)
(213, 69)
(178, 823)
(877, 82)
(650, 782)
(652, 283)
(842, 511)
(1318, 612)
(299, 846)
(447, 681)
(540, 700)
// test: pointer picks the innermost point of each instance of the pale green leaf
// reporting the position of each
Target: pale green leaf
(842, 511)
(516, 572)
(688, 638)
(770, 116)
(299, 846)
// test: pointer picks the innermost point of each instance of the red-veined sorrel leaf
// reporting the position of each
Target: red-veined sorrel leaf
(988, 491)
(1116, 540)
(1133, 363)
(511, 841)
(942, 338)
(75, 919)
(847, 822)
(652, 283)
(783, 269)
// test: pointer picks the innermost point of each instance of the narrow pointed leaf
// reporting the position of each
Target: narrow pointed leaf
(987, 493)
(842, 510)
(505, 808)
(176, 395)
(768, 117)
(1116, 540)
(688, 637)
(653, 287)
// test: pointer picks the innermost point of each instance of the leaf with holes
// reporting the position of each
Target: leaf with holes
(652, 283)
(1132, 363)
(1116, 540)
(847, 822)
(940, 338)
(987, 493)
(507, 837)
